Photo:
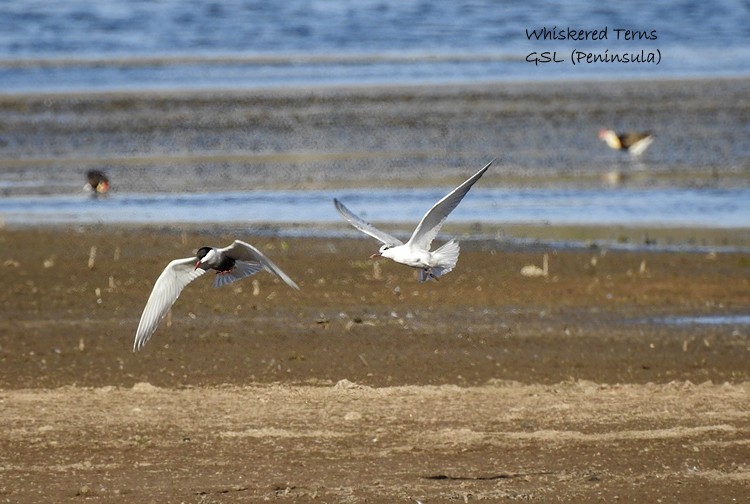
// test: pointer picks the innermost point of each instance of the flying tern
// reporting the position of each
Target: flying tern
(416, 252)
(237, 261)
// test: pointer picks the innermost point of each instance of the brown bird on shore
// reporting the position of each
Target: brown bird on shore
(96, 182)
(634, 143)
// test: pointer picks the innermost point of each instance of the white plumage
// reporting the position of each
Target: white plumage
(416, 252)
(232, 263)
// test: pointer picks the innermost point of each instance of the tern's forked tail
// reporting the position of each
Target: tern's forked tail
(444, 260)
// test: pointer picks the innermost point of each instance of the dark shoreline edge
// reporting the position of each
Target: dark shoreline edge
(522, 86)
(656, 239)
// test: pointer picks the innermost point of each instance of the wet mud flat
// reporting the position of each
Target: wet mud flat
(540, 133)
(367, 386)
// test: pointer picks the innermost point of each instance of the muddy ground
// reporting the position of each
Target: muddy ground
(366, 386)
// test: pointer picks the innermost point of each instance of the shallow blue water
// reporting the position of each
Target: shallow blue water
(710, 208)
(141, 44)
(704, 320)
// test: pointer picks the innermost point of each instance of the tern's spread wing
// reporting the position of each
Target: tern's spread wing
(167, 288)
(242, 269)
(365, 226)
(241, 251)
(428, 228)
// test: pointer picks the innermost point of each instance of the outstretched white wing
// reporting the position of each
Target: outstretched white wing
(167, 289)
(430, 224)
(365, 226)
(241, 251)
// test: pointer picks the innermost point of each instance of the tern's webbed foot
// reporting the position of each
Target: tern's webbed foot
(428, 274)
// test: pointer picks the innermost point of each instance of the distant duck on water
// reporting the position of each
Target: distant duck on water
(632, 142)
(96, 182)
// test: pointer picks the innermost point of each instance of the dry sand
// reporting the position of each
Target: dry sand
(367, 386)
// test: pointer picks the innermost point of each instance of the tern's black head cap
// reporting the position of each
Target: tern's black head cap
(202, 252)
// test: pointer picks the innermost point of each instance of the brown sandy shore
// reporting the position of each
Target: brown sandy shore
(366, 386)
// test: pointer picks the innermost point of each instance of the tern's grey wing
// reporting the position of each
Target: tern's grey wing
(430, 224)
(365, 226)
(241, 251)
(242, 269)
(167, 288)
